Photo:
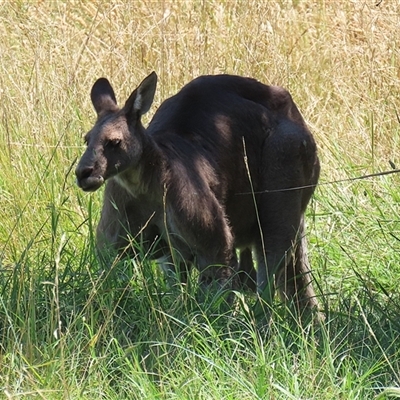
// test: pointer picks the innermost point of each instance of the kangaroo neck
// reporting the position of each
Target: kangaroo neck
(144, 178)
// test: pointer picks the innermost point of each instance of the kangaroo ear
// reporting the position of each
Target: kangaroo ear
(139, 102)
(103, 97)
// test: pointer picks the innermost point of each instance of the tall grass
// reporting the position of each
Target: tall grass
(71, 329)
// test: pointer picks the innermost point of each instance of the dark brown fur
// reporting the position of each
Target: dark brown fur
(209, 175)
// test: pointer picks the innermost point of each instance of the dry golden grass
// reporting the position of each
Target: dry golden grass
(340, 60)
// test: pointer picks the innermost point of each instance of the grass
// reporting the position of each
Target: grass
(70, 329)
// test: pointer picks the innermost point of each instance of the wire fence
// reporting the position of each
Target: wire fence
(356, 178)
(344, 180)
(45, 146)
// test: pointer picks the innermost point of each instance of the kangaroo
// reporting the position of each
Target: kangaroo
(227, 163)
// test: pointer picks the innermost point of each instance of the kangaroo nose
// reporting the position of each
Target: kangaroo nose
(83, 173)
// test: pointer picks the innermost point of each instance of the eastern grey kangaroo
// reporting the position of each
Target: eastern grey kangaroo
(226, 164)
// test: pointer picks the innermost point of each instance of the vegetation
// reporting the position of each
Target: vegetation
(70, 329)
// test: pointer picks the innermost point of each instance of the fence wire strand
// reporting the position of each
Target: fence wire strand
(344, 180)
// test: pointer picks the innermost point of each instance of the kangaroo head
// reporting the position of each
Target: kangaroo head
(115, 143)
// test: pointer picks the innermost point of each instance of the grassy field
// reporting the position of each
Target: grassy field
(70, 330)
